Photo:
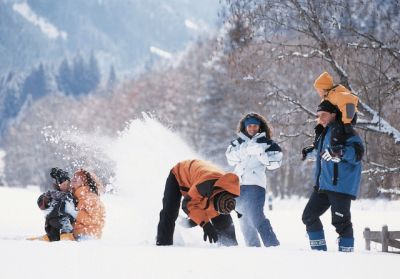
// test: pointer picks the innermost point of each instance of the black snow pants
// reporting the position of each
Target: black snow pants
(223, 224)
(319, 203)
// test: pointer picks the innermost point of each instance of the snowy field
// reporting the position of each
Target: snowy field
(144, 153)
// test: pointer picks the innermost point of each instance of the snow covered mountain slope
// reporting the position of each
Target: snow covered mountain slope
(119, 32)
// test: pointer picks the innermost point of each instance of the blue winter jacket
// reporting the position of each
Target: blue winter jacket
(343, 177)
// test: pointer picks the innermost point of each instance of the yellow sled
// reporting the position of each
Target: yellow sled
(63, 236)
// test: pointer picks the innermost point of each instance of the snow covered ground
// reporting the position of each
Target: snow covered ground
(144, 153)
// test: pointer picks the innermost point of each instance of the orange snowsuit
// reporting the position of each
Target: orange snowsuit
(199, 181)
(91, 214)
(338, 95)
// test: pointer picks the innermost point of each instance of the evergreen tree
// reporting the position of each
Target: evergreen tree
(112, 78)
(64, 78)
(93, 73)
(36, 84)
(79, 85)
(86, 77)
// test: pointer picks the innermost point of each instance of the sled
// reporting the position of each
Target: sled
(63, 236)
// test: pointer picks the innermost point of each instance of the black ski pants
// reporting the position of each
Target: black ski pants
(319, 203)
(169, 213)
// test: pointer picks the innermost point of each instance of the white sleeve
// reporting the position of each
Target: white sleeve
(233, 153)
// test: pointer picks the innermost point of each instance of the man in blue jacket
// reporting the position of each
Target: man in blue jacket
(337, 181)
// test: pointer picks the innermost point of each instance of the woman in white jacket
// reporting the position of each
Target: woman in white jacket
(251, 154)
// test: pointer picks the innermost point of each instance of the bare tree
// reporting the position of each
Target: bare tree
(358, 41)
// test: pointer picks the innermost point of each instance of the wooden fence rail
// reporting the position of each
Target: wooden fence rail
(384, 237)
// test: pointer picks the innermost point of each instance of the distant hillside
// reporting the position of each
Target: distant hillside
(119, 31)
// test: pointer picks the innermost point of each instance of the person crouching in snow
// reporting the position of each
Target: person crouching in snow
(208, 198)
(252, 153)
(59, 208)
(337, 182)
(90, 219)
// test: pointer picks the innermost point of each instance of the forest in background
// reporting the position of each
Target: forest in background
(264, 59)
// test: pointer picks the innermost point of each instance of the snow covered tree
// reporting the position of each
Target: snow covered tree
(79, 75)
(11, 100)
(93, 70)
(64, 78)
(36, 83)
(112, 78)
(357, 41)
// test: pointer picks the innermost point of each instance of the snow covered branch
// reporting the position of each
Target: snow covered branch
(378, 124)
(313, 53)
(374, 46)
(381, 169)
(375, 43)
(296, 103)
(389, 191)
(289, 136)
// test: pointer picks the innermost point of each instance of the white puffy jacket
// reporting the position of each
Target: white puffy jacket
(251, 157)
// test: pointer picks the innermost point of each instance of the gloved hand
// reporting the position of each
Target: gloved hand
(254, 149)
(305, 151)
(210, 232)
(337, 150)
(327, 156)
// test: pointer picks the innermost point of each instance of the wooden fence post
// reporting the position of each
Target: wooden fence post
(385, 238)
(367, 239)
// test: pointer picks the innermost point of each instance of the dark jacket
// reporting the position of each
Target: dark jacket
(343, 177)
(59, 217)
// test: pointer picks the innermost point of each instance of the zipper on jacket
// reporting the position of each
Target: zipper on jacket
(321, 143)
(335, 173)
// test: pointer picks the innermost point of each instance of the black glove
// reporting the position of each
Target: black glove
(210, 232)
(337, 151)
(305, 151)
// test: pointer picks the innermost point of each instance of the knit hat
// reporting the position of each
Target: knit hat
(224, 202)
(59, 175)
(327, 106)
(251, 120)
(324, 81)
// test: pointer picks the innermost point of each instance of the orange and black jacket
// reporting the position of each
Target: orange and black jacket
(199, 181)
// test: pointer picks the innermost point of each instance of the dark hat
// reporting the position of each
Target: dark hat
(59, 175)
(327, 106)
(224, 202)
(252, 120)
